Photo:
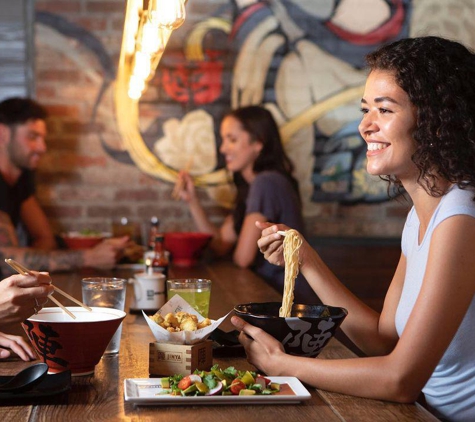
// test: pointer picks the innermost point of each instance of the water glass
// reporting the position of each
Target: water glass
(106, 292)
(196, 291)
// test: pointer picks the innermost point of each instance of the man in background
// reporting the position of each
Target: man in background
(22, 143)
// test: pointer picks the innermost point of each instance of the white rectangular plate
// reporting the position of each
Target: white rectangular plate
(146, 392)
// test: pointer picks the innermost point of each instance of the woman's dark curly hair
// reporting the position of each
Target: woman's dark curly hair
(261, 126)
(439, 77)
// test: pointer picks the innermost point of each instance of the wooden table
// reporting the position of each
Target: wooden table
(100, 397)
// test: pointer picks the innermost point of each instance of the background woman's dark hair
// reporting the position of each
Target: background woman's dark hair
(439, 77)
(260, 124)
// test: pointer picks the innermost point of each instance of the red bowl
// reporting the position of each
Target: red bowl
(186, 247)
(76, 240)
(75, 344)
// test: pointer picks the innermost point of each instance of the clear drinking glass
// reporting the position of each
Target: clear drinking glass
(196, 291)
(106, 292)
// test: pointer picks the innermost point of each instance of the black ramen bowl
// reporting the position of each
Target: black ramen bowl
(304, 333)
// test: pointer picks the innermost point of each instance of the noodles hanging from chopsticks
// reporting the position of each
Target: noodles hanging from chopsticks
(292, 243)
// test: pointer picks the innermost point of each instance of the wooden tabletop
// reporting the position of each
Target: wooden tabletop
(100, 397)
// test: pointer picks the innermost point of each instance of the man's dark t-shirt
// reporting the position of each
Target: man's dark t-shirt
(11, 197)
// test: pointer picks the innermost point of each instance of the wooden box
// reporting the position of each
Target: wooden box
(170, 359)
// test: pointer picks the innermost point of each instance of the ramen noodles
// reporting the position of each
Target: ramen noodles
(292, 243)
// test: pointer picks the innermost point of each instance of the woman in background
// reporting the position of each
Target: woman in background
(419, 125)
(266, 191)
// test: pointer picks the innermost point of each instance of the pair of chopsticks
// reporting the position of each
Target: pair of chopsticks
(20, 269)
(179, 182)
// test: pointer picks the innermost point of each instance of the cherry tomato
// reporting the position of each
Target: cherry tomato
(184, 383)
(236, 386)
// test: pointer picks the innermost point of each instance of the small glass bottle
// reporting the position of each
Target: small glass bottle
(160, 261)
(154, 226)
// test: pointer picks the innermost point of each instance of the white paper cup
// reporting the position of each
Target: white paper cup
(149, 291)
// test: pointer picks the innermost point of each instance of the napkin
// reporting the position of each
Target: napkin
(174, 305)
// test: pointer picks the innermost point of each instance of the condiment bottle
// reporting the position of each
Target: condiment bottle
(160, 261)
(154, 225)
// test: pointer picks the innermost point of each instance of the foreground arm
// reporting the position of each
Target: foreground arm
(449, 283)
(374, 334)
(104, 255)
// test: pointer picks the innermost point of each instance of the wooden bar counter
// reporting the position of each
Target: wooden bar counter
(100, 397)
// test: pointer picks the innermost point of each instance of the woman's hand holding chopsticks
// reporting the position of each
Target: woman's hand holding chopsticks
(21, 269)
(23, 295)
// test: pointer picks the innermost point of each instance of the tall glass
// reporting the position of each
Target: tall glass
(196, 291)
(106, 292)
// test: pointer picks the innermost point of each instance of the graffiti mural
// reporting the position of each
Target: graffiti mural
(302, 59)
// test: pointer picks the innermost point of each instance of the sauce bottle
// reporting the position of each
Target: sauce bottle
(160, 261)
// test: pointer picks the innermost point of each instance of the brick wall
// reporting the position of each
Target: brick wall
(80, 185)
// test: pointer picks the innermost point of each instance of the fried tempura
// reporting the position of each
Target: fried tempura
(188, 324)
(181, 321)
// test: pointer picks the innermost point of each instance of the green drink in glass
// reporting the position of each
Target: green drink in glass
(195, 291)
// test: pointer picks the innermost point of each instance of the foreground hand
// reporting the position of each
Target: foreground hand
(23, 295)
(106, 254)
(10, 343)
(262, 350)
(271, 243)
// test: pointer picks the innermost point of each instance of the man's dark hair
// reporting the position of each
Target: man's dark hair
(17, 110)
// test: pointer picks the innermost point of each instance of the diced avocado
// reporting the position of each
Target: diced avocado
(274, 386)
(191, 389)
(246, 392)
(165, 382)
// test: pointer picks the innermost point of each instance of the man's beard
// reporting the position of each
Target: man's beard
(19, 160)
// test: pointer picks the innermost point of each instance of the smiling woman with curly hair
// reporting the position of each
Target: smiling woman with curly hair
(418, 123)
(437, 75)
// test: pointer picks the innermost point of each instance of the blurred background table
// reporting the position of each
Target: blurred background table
(100, 397)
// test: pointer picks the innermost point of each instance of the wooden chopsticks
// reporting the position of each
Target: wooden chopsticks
(20, 269)
(179, 185)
